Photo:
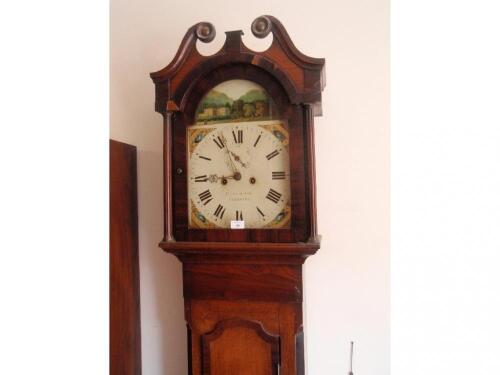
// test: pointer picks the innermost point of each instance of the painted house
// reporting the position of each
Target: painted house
(261, 108)
(223, 111)
(207, 113)
(248, 110)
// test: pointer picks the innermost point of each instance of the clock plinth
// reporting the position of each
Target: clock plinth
(239, 148)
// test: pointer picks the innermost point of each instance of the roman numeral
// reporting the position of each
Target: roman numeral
(260, 212)
(219, 211)
(205, 197)
(279, 175)
(239, 215)
(219, 142)
(238, 138)
(272, 154)
(203, 178)
(273, 196)
(204, 157)
(257, 141)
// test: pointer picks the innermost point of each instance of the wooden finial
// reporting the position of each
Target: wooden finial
(261, 26)
(205, 32)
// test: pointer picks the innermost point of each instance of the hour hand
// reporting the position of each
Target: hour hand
(215, 178)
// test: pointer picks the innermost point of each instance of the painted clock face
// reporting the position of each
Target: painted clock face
(238, 160)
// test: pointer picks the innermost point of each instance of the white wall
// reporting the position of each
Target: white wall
(347, 282)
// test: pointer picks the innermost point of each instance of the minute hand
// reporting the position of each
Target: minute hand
(224, 142)
(238, 159)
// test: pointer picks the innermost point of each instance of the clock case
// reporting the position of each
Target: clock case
(248, 279)
(293, 80)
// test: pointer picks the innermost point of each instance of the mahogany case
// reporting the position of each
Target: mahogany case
(242, 288)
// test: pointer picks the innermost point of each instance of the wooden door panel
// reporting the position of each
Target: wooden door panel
(124, 299)
(240, 347)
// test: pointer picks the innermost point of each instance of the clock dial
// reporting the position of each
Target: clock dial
(238, 160)
(239, 171)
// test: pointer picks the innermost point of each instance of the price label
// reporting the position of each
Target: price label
(237, 224)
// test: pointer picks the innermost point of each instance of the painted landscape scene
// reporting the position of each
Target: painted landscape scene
(236, 101)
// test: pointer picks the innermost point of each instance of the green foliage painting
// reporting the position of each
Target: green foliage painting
(236, 101)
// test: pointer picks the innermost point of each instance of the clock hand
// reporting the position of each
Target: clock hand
(224, 142)
(215, 178)
(237, 158)
(225, 177)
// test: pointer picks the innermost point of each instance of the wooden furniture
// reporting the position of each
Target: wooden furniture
(242, 287)
(125, 326)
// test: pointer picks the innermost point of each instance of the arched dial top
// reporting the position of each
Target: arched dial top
(238, 160)
(301, 76)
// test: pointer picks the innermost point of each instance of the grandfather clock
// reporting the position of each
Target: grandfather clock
(240, 195)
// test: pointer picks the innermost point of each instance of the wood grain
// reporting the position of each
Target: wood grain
(242, 288)
(125, 328)
(243, 282)
(242, 347)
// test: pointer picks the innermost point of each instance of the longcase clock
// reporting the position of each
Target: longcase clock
(240, 195)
